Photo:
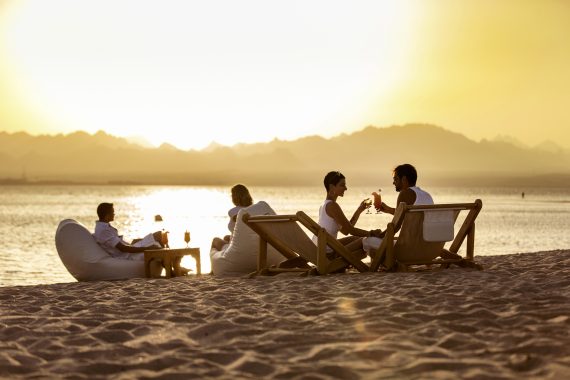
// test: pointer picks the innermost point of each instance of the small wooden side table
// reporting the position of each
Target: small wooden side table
(168, 258)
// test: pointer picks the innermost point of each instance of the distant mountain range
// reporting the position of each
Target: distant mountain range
(365, 157)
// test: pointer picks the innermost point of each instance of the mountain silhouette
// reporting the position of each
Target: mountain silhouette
(366, 156)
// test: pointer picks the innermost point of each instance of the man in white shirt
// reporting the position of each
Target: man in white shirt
(109, 239)
(404, 180)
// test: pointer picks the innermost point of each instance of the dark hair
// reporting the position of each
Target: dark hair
(408, 171)
(332, 178)
(103, 209)
(241, 196)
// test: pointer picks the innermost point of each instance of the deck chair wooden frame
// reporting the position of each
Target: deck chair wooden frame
(387, 255)
(284, 233)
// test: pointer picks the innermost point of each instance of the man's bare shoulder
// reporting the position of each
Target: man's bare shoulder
(408, 196)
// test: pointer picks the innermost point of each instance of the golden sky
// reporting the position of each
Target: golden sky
(193, 72)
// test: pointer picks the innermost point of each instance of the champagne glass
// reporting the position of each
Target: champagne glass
(368, 203)
(187, 237)
(377, 200)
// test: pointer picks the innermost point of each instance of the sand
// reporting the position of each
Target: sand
(510, 321)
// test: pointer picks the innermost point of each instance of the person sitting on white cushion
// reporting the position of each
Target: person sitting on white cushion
(109, 239)
(239, 256)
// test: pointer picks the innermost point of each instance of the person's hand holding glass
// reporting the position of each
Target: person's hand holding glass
(365, 205)
(377, 201)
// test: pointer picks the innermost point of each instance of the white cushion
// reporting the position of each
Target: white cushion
(438, 225)
(86, 260)
(239, 257)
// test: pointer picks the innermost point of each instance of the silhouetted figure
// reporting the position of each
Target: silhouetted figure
(522, 195)
(241, 198)
(109, 239)
(404, 179)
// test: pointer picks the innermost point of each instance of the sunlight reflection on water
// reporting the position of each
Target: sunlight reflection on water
(29, 215)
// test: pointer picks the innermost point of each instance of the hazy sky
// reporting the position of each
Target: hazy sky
(192, 72)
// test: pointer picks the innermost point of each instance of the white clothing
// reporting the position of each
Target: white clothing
(239, 257)
(108, 237)
(370, 243)
(328, 223)
(422, 198)
(231, 213)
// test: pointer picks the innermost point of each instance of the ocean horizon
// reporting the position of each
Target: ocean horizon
(29, 215)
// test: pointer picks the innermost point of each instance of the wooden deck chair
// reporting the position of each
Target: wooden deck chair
(424, 231)
(285, 234)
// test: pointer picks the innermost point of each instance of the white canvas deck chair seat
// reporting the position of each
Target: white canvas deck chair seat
(423, 232)
(285, 234)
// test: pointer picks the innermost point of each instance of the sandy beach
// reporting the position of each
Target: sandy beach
(509, 321)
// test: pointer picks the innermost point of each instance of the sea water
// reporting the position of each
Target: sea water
(29, 216)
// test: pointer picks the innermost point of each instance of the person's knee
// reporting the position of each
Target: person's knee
(217, 243)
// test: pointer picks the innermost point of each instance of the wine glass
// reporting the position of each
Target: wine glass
(187, 237)
(368, 203)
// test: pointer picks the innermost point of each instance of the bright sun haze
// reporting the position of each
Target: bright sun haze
(190, 73)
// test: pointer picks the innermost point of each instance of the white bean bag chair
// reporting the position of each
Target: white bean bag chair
(239, 257)
(86, 260)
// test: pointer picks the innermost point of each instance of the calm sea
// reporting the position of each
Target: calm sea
(29, 216)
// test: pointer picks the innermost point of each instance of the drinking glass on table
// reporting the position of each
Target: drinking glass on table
(187, 237)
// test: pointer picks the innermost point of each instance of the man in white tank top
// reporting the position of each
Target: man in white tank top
(404, 180)
(405, 177)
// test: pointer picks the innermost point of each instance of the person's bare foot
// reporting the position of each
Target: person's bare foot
(180, 270)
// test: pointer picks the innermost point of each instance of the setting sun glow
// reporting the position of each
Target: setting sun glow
(234, 71)
(191, 73)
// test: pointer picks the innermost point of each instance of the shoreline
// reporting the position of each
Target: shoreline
(509, 321)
